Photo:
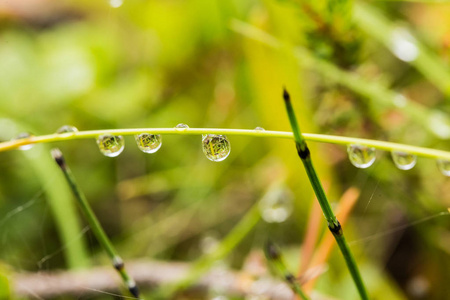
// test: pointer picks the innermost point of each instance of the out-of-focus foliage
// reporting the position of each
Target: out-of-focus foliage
(162, 62)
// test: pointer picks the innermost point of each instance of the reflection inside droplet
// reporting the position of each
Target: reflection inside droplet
(403, 160)
(148, 143)
(110, 145)
(361, 156)
(216, 147)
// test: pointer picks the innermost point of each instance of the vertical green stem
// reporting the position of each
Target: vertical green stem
(333, 223)
(273, 254)
(95, 224)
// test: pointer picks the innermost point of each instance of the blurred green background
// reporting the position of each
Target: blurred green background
(372, 69)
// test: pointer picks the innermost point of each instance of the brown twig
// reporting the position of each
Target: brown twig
(44, 285)
(311, 236)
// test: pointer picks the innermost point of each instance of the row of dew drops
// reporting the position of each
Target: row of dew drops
(217, 148)
(277, 205)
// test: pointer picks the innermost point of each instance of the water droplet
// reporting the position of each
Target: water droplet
(439, 124)
(276, 206)
(111, 145)
(24, 135)
(209, 244)
(404, 45)
(259, 129)
(444, 166)
(400, 101)
(148, 143)
(181, 127)
(361, 156)
(404, 160)
(115, 3)
(66, 129)
(216, 147)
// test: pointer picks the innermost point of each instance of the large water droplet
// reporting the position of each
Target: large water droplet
(404, 45)
(403, 160)
(24, 135)
(444, 166)
(361, 156)
(259, 129)
(66, 129)
(276, 206)
(216, 147)
(181, 127)
(111, 145)
(148, 143)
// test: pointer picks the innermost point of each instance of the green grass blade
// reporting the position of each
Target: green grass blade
(273, 254)
(95, 224)
(333, 223)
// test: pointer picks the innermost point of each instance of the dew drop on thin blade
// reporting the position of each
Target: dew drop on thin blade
(400, 101)
(259, 129)
(403, 160)
(181, 127)
(216, 147)
(24, 135)
(209, 243)
(361, 156)
(66, 129)
(444, 166)
(276, 206)
(439, 124)
(111, 145)
(404, 45)
(115, 3)
(148, 143)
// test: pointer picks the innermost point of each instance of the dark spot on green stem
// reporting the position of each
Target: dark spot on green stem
(118, 264)
(290, 278)
(286, 96)
(336, 229)
(272, 251)
(134, 290)
(59, 158)
(303, 153)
